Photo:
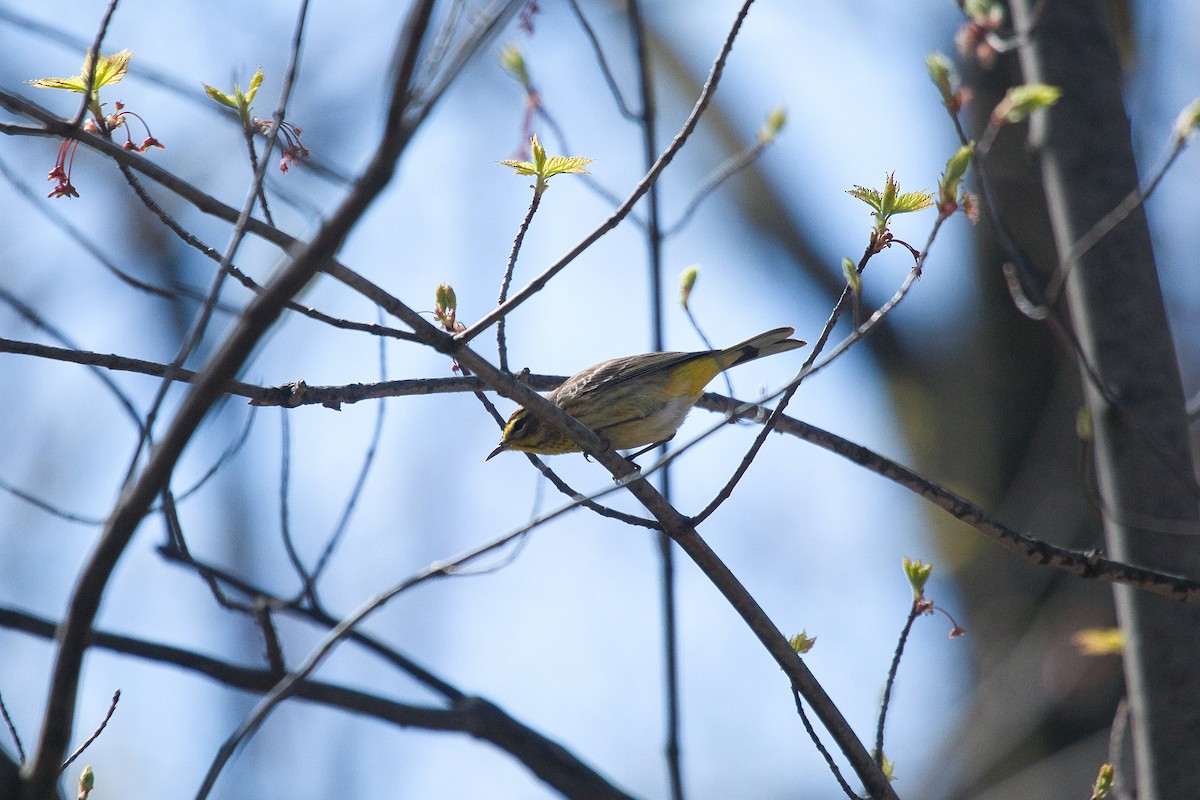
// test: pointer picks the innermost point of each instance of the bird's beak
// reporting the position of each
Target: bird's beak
(499, 449)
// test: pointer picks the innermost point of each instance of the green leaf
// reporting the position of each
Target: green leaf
(939, 70)
(891, 201)
(774, 124)
(917, 574)
(513, 61)
(871, 197)
(216, 94)
(238, 100)
(912, 201)
(1021, 101)
(687, 280)
(888, 200)
(1104, 782)
(941, 73)
(852, 277)
(75, 84)
(544, 167)
(445, 296)
(956, 167)
(109, 69)
(539, 154)
(801, 643)
(255, 82)
(1187, 122)
(1099, 641)
(564, 165)
(522, 167)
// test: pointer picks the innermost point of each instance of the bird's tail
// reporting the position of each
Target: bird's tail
(764, 344)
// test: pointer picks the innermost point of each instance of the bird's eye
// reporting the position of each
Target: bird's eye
(518, 424)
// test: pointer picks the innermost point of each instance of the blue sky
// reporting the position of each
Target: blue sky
(565, 635)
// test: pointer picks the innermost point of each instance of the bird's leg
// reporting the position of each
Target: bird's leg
(650, 447)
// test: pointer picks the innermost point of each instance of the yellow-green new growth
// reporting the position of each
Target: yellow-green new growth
(917, 574)
(1099, 641)
(940, 72)
(512, 60)
(87, 782)
(801, 643)
(239, 101)
(109, 70)
(888, 768)
(890, 201)
(950, 198)
(446, 308)
(1187, 122)
(687, 279)
(1021, 101)
(544, 167)
(853, 279)
(774, 124)
(1104, 782)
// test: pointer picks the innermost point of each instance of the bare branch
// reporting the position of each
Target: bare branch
(12, 730)
(116, 698)
(232, 353)
(643, 186)
(550, 761)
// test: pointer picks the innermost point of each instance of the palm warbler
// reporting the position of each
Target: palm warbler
(636, 400)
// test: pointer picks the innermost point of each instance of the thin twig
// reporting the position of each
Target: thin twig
(226, 456)
(1132, 201)
(601, 60)
(12, 730)
(359, 483)
(647, 120)
(643, 186)
(229, 356)
(539, 382)
(915, 610)
(48, 507)
(240, 276)
(816, 740)
(1031, 292)
(1084, 564)
(285, 473)
(34, 318)
(550, 761)
(177, 543)
(266, 624)
(811, 365)
(288, 685)
(200, 326)
(116, 698)
(501, 343)
(311, 614)
(90, 78)
(205, 203)
(248, 135)
(733, 166)
(77, 235)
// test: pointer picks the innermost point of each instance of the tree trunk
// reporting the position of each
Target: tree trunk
(1132, 388)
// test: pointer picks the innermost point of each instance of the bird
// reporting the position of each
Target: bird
(635, 401)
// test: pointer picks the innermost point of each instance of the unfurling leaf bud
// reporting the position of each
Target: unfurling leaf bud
(917, 574)
(687, 280)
